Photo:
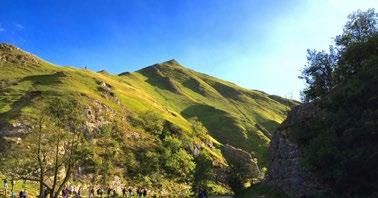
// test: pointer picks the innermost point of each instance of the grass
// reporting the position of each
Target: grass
(229, 112)
(30, 187)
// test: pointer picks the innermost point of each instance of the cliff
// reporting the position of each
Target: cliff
(285, 170)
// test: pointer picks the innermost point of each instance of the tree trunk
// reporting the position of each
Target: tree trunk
(56, 170)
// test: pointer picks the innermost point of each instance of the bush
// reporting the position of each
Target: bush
(176, 160)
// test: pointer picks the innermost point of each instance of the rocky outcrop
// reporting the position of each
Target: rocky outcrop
(242, 160)
(285, 170)
(10, 53)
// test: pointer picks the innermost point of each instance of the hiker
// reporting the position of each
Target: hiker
(13, 183)
(202, 193)
(144, 192)
(23, 194)
(45, 193)
(78, 192)
(65, 192)
(91, 192)
(123, 192)
(5, 185)
(130, 192)
(100, 191)
(109, 191)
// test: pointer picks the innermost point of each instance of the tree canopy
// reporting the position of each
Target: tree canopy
(340, 143)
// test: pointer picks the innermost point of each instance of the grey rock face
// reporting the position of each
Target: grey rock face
(285, 170)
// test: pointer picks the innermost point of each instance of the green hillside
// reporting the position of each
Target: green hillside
(167, 91)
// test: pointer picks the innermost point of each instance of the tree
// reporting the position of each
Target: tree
(339, 143)
(318, 73)
(197, 127)
(152, 122)
(176, 160)
(360, 27)
(323, 71)
(204, 171)
(49, 153)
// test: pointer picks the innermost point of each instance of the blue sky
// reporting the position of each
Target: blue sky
(256, 44)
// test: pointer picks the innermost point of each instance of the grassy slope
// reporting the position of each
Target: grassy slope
(232, 114)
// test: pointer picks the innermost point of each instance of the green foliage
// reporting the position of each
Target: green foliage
(319, 73)
(324, 71)
(204, 172)
(150, 163)
(131, 163)
(359, 28)
(339, 144)
(159, 100)
(152, 122)
(197, 128)
(50, 152)
(177, 161)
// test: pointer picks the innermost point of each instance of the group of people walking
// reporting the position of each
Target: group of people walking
(100, 192)
(22, 193)
(126, 192)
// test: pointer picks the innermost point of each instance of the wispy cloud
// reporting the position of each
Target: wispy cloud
(1, 28)
(19, 26)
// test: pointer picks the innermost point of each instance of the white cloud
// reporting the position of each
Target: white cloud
(19, 26)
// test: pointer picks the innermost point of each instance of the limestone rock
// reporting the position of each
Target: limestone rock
(285, 170)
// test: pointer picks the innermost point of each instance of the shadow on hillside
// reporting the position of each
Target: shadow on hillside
(219, 123)
(18, 105)
(194, 85)
(270, 125)
(27, 98)
(45, 79)
(226, 91)
(157, 79)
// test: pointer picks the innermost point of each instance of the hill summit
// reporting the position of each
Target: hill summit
(150, 108)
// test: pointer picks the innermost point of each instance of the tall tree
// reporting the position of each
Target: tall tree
(323, 70)
(49, 153)
(359, 28)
